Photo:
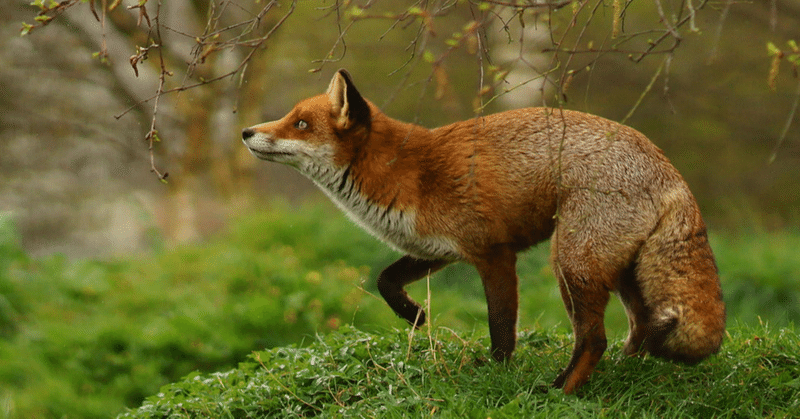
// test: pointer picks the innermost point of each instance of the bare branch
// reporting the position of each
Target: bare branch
(569, 42)
(665, 20)
(47, 14)
(252, 44)
(152, 136)
(531, 4)
(645, 91)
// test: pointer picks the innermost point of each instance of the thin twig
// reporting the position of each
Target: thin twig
(718, 33)
(152, 135)
(645, 92)
(786, 126)
(254, 46)
(666, 34)
(670, 27)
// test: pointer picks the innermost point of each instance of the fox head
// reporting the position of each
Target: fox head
(320, 133)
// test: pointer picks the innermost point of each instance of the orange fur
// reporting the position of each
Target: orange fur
(620, 217)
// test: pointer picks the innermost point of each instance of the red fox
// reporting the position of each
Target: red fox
(620, 217)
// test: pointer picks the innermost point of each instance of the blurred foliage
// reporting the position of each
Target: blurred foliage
(83, 338)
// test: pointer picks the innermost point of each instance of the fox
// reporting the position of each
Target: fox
(620, 218)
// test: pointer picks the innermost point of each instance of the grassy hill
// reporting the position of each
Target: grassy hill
(89, 338)
(351, 373)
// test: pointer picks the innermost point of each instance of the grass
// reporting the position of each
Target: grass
(88, 338)
(350, 373)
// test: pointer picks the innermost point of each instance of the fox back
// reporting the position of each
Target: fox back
(620, 217)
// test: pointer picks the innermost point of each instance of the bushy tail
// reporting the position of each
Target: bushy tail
(679, 283)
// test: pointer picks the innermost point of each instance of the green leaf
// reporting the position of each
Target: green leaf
(772, 49)
(355, 11)
(26, 29)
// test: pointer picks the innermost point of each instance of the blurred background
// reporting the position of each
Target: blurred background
(113, 282)
(76, 179)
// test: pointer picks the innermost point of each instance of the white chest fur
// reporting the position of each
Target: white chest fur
(395, 227)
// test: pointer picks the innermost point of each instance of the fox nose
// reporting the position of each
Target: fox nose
(247, 133)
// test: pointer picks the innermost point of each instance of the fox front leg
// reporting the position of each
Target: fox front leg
(401, 273)
(498, 273)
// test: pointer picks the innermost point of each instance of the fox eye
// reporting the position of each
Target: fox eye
(301, 125)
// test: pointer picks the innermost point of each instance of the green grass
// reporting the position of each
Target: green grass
(87, 338)
(351, 373)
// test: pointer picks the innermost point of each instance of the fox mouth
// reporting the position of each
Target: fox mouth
(268, 155)
(262, 153)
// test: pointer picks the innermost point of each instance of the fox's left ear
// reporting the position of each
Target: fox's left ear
(348, 107)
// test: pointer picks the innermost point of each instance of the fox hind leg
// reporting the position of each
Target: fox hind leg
(585, 303)
(630, 294)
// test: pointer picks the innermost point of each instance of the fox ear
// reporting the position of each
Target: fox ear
(348, 107)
